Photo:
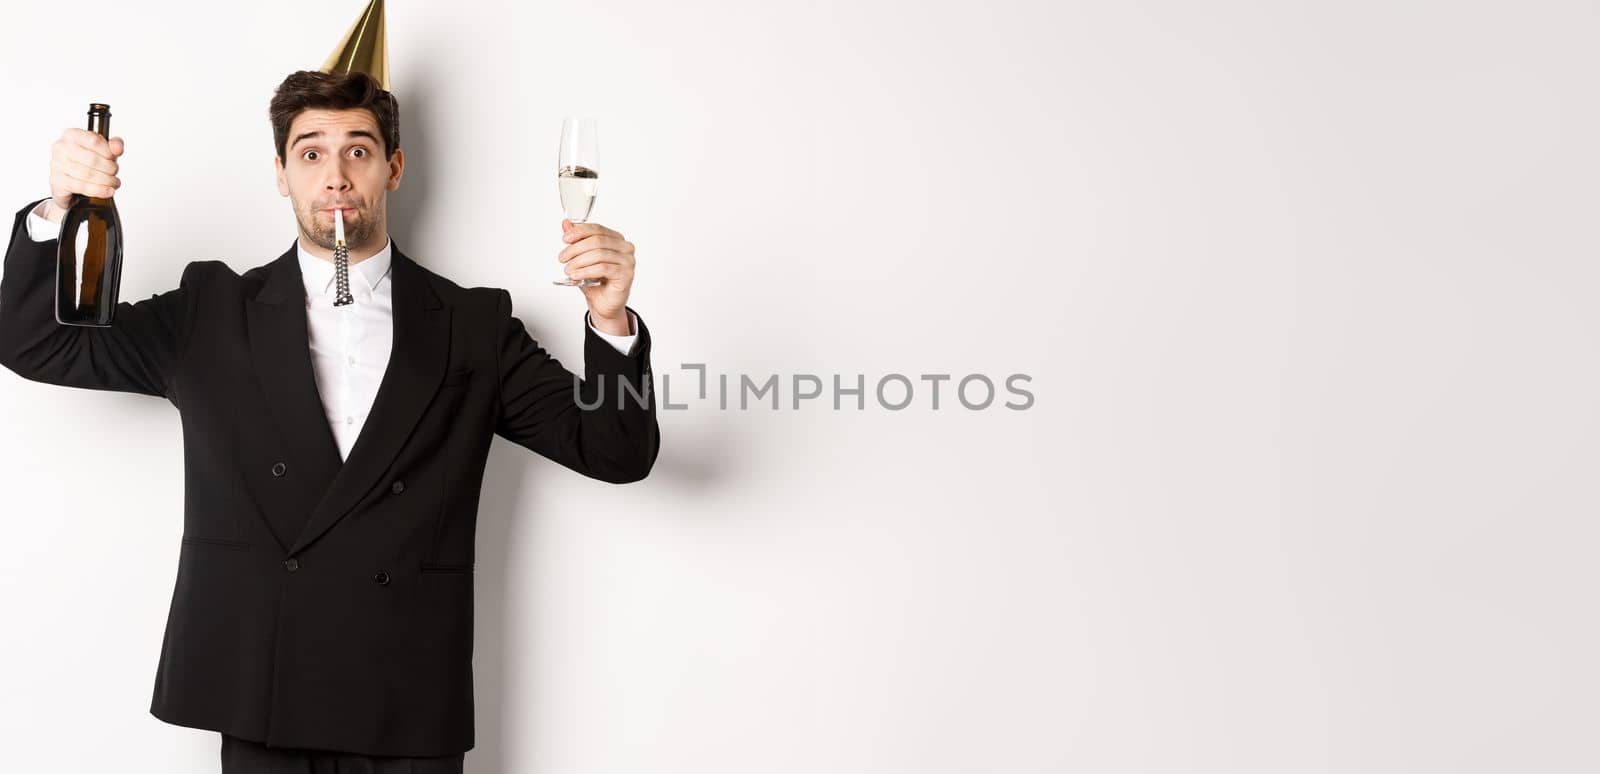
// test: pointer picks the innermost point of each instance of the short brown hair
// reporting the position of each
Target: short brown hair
(307, 89)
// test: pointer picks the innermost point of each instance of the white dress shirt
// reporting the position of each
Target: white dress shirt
(349, 344)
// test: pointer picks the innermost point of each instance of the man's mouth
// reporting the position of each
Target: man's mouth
(347, 210)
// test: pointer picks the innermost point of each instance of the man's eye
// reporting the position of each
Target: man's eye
(361, 152)
(308, 155)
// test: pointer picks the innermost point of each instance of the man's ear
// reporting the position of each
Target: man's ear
(397, 167)
(283, 183)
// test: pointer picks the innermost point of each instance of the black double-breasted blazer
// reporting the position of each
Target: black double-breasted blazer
(322, 603)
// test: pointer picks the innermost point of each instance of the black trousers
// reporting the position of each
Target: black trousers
(242, 756)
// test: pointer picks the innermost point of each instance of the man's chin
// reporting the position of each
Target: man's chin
(324, 241)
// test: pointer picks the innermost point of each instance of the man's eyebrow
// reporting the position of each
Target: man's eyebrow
(318, 133)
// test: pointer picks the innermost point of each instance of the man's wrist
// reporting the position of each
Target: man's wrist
(616, 326)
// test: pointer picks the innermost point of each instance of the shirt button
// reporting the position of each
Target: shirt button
(382, 578)
(279, 469)
(349, 420)
(292, 564)
(398, 487)
(352, 360)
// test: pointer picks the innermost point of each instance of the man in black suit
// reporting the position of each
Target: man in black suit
(321, 617)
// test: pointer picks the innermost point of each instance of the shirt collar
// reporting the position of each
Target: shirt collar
(318, 274)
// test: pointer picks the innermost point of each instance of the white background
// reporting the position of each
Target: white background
(1303, 289)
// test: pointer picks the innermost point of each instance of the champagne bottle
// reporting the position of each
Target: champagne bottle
(89, 255)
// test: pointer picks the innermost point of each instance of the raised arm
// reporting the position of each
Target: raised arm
(545, 408)
(138, 353)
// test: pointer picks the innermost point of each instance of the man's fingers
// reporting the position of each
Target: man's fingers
(90, 189)
(597, 242)
(593, 257)
(606, 269)
(581, 230)
(84, 138)
(92, 160)
(85, 181)
(590, 228)
(600, 256)
(88, 174)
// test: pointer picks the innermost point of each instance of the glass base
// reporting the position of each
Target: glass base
(588, 283)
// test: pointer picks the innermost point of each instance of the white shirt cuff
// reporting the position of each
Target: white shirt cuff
(40, 229)
(624, 344)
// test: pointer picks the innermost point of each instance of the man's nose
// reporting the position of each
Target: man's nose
(337, 180)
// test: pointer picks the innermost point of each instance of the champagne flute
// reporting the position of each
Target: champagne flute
(578, 176)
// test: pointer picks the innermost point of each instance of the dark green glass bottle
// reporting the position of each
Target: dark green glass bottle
(89, 255)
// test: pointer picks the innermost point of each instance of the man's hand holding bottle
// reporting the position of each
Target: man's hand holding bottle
(81, 162)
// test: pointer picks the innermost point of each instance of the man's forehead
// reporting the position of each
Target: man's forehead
(334, 123)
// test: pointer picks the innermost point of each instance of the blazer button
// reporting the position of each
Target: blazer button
(279, 469)
(382, 578)
(292, 564)
(398, 487)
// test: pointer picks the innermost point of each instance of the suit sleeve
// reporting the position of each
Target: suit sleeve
(623, 343)
(137, 353)
(603, 426)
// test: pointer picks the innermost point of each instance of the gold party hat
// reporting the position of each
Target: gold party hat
(364, 49)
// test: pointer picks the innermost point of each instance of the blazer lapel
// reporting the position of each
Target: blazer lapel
(418, 356)
(280, 347)
(417, 360)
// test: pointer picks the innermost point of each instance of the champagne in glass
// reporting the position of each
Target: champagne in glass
(578, 185)
(578, 176)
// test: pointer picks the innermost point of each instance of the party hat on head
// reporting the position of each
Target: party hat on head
(364, 48)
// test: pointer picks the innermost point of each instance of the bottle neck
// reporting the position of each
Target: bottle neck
(100, 123)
